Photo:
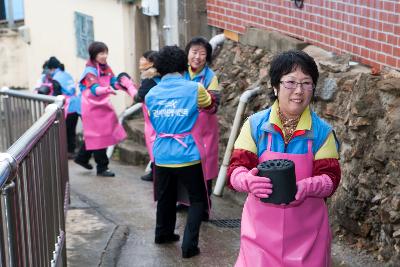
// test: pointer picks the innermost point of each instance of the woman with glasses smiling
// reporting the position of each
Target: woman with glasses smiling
(296, 234)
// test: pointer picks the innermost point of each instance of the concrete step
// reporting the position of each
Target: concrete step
(135, 130)
(133, 153)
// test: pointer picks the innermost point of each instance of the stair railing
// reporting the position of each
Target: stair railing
(33, 180)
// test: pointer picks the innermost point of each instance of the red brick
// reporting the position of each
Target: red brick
(388, 6)
(373, 55)
(396, 52)
(387, 49)
(391, 61)
(392, 39)
(373, 45)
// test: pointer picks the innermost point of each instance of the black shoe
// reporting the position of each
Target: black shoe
(181, 207)
(106, 173)
(190, 252)
(163, 239)
(147, 177)
(87, 166)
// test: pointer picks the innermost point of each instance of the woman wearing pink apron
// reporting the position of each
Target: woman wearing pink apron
(199, 53)
(297, 234)
(149, 78)
(100, 123)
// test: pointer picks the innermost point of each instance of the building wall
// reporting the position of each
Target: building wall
(368, 30)
(52, 33)
(13, 54)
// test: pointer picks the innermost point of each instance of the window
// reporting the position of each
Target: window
(84, 34)
(17, 6)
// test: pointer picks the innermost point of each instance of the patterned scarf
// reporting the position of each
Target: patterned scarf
(289, 126)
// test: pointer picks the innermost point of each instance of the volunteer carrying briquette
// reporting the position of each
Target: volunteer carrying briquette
(297, 234)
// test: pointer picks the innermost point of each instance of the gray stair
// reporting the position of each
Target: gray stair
(135, 130)
(133, 149)
(133, 153)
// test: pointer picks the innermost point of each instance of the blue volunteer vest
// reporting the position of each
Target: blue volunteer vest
(173, 109)
(68, 88)
(204, 77)
(260, 127)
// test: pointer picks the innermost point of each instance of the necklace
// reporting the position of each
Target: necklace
(289, 126)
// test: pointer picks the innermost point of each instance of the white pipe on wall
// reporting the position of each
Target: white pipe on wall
(237, 122)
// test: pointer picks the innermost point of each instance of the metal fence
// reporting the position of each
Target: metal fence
(33, 180)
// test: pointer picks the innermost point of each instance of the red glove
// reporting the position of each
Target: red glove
(244, 180)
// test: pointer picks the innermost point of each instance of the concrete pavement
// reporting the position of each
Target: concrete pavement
(111, 223)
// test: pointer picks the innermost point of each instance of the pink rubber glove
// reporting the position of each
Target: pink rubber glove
(244, 180)
(100, 90)
(128, 84)
(317, 186)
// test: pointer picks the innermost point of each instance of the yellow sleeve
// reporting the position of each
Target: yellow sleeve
(203, 97)
(328, 150)
(245, 140)
(214, 85)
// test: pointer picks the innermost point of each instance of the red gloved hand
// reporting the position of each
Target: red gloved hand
(244, 180)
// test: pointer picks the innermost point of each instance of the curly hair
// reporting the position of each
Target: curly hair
(170, 59)
(198, 40)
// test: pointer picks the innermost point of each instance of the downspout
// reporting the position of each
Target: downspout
(127, 112)
(216, 41)
(237, 122)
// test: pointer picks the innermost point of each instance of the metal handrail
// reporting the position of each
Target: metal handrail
(32, 96)
(34, 185)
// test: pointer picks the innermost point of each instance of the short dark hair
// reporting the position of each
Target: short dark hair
(198, 40)
(287, 62)
(53, 63)
(95, 48)
(171, 59)
(150, 55)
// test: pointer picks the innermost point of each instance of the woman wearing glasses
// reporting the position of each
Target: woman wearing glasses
(296, 234)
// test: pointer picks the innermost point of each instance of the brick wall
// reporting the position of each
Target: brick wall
(367, 29)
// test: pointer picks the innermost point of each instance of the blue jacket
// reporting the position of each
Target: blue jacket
(68, 89)
(173, 109)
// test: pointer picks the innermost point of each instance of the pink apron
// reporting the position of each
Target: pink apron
(210, 130)
(100, 123)
(285, 236)
(149, 133)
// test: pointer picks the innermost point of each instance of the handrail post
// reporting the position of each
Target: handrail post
(8, 226)
(7, 106)
(8, 168)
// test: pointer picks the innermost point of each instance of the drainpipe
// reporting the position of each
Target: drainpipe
(217, 40)
(10, 14)
(237, 122)
(127, 112)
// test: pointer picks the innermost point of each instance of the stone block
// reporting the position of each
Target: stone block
(272, 41)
